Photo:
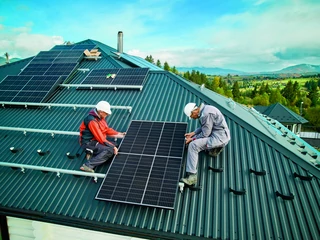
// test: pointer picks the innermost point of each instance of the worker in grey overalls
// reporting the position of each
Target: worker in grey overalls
(212, 136)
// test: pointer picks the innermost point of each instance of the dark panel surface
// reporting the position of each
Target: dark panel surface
(147, 169)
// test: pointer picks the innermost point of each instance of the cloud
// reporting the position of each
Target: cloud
(21, 43)
(264, 39)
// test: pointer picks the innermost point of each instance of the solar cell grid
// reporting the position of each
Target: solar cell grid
(67, 54)
(123, 76)
(27, 88)
(62, 47)
(61, 69)
(35, 69)
(138, 175)
(48, 54)
(83, 46)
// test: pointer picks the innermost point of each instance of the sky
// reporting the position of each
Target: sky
(245, 35)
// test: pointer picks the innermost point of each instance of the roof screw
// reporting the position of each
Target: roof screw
(52, 135)
(25, 132)
(74, 108)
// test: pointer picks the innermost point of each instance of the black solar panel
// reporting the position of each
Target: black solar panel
(73, 47)
(36, 69)
(125, 76)
(147, 169)
(62, 48)
(61, 69)
(27, 88)
(83, 47)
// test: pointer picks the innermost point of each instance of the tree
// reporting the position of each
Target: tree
(313, 94)
(159, 64)
(254, 92)
(7, 57)
(215, 83)
(288, 93)
(276, 97)
(262, 89)
(166, 66)
(312, 114)
(150, 59)
(186, 75)
(267, 89)
(174, 70)
(261, 100)
(236, 90)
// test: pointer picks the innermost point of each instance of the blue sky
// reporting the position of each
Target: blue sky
(247, 35)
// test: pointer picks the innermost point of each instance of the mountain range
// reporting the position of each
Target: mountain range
(296, 69)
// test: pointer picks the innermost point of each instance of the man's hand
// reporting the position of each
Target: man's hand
(115, 151)
(188, 140)
(190, 134)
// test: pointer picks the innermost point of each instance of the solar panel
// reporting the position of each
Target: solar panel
(62, 47)
(27, 88)
(61, 69)
(127, 76)
(35, 69)
(146, 171)
(73, 47)
(84, 47)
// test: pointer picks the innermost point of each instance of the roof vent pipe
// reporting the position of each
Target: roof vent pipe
(120, 42)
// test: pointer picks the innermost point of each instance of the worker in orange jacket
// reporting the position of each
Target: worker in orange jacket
(93, 136)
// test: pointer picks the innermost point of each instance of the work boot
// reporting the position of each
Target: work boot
(215, 151)
(86, 168)
(190, 180)
(89, 153)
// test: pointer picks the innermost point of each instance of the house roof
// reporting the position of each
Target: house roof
(257, 144)
(281, 113)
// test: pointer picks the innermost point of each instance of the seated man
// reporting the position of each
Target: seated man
(213, 135)
(93, 136)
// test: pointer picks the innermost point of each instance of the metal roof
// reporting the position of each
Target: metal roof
(257, 145)
(281, 113)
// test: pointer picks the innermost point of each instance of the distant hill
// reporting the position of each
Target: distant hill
(296, 69)
(301, 68)
(211, 71)
(3, 60)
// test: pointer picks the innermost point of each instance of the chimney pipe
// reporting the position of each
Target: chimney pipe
(120, 42)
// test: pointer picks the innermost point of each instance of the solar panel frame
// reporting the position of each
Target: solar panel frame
(145, 178)
(24, 88)
(123, 77)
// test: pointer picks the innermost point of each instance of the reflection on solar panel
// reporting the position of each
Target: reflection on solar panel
(146, 171)
(57, 69)
(73, 47)
(27, 88)
(47, 57)
(123, 76)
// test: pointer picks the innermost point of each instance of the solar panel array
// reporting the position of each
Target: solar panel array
(122, 76)
(40, 77)
(73, 47)
(147, 169)
(27, 88)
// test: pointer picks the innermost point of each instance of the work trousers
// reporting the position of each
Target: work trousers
(197, 146)
(101, 153)
(194, 148)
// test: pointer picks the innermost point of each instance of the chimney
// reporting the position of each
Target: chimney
(120, 42)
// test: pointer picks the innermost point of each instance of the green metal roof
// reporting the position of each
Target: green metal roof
(281, 113)
(213, 212)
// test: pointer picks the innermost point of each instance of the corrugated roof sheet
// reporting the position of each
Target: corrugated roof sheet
(212, 212)
(281, 113)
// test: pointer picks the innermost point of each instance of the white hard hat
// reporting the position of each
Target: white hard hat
(189, 108)
(104, 106)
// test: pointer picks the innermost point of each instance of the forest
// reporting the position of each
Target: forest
(299, 94)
